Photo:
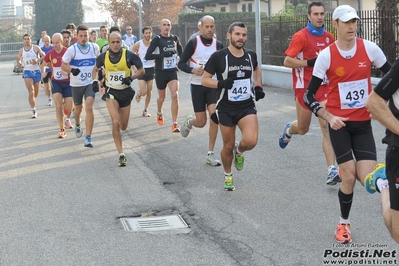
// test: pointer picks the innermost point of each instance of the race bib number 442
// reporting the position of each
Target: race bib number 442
(240, 91)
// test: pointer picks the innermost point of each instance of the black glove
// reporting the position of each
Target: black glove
(95, 86)
(127, 81)
(259, 93)
(227, 84)
(167, 54)
(75, 71)
(311, 62)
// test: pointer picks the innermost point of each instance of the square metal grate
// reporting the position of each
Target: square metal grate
(153, 223)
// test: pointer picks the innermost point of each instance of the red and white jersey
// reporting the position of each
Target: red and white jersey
(200, 56)
(305, 46)
(349, 73)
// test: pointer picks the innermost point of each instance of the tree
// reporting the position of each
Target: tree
(53, 16)
(10, 32)
(152, 10)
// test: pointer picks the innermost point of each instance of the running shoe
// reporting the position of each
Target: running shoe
(229, 182)
(62, 134)
(78, 131)
(68, 123)
(138, 96)
(72, 114)
(160, 119)
(212, 160)
(122, 160)
(238, 158)
(88, 142)
(34, 113)
(175, 128)
(343, 233)
(370, 181)
(49, 102)
(146, 114)
(185, 130)
(333, 177)
(284, 139)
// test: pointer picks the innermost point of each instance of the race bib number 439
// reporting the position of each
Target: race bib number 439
(353, 94)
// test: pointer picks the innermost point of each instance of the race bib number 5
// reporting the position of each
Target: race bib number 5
(240, 91)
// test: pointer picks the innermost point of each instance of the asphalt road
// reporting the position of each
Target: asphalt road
(61, 201)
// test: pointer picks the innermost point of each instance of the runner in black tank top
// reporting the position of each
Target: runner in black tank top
(236, 71)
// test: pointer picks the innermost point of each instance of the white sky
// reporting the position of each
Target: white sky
(95, 15)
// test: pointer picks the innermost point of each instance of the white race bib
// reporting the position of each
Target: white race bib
(115, 78)
(27, 62)
(170, 62)
(58, 74)
(240, 91)
(353, 94)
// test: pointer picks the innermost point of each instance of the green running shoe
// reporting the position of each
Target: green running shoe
(229, 182)
(238, 159)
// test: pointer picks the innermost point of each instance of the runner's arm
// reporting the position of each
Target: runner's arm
(136, 47)
(309, 96)
(258, 76)
(208, 81)
(185, 57)
(377, 100)
(19, 57)
(153, 45)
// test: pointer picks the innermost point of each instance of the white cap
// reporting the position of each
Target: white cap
(345, 13)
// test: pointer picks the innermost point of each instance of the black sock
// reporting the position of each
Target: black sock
(345, 202)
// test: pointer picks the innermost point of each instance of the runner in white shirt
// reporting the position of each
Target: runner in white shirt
(147, 80)
(28, 57)
(79, 60)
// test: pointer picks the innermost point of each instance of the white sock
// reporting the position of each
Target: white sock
(344, 221)
(330, 168)
(382, 184)
(288, 132)
(210, 152)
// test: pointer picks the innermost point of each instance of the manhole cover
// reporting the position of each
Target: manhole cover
(154, 223)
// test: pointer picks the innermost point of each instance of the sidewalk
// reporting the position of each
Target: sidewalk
(8, 57)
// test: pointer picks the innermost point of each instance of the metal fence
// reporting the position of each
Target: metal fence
(10, 47)
(381, 27)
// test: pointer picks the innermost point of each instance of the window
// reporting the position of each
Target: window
(223, 9)
(244, 8)
(249, 7)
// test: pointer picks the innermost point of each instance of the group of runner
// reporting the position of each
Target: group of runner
(331, 79)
